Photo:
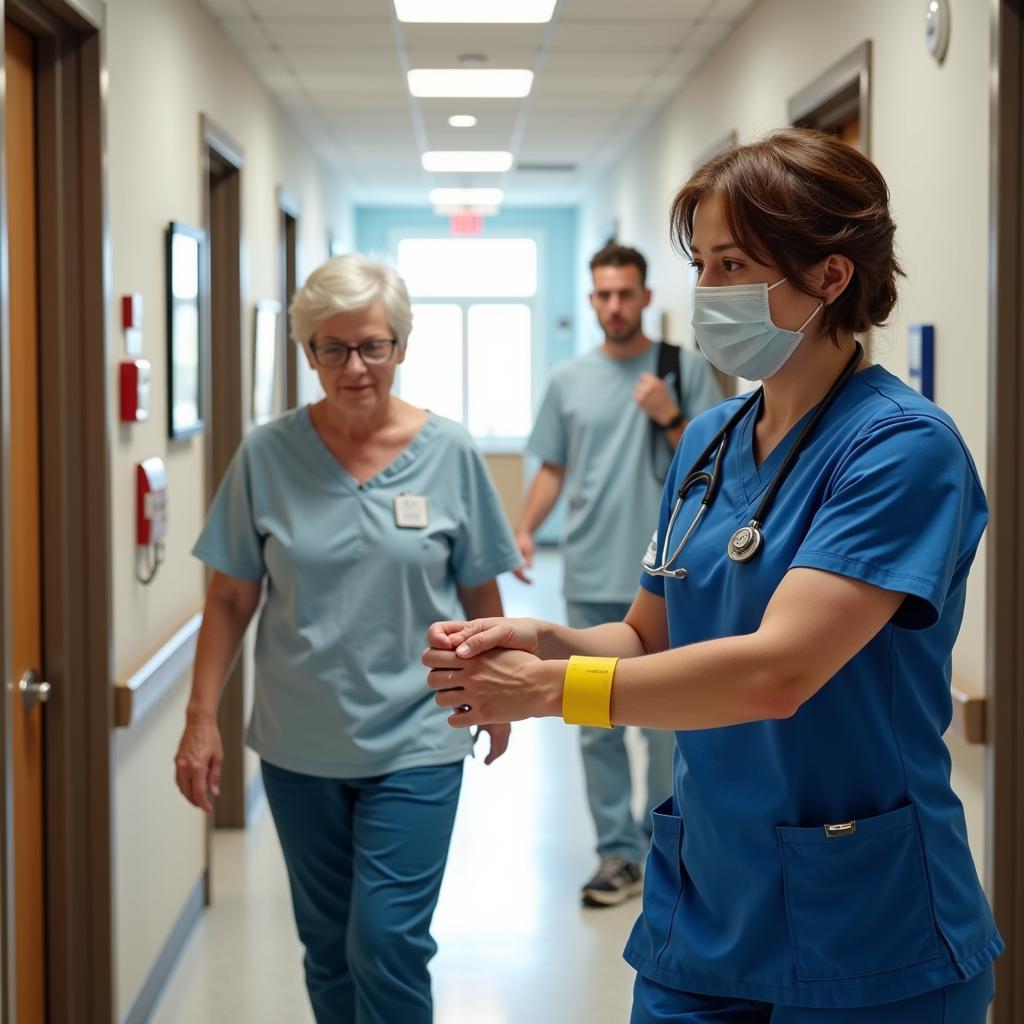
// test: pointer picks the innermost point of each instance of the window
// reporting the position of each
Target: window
(470, 352)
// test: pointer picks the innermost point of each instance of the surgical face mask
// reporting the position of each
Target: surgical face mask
(734, 329)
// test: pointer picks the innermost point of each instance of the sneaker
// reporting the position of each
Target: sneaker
(617, 879)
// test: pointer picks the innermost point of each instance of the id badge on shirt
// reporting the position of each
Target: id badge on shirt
(411, 512)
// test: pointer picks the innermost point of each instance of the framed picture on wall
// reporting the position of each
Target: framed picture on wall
(264, 359)
(185, 256)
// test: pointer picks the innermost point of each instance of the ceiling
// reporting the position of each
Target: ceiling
(602, 69)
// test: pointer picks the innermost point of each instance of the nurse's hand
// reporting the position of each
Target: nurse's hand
(500, 686)
(468, 639)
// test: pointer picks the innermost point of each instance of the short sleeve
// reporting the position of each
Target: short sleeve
(904, 512)
(230, 541)
(484, 546)
(548, 439)
(700, 387)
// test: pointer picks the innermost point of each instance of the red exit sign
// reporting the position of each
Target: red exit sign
(463, 224)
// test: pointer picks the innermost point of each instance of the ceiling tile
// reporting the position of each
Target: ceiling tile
(709, 36)
(634, 11)
(337, 36)
(730, 10)
(659, 36)
(226, 8)
(246, 33)
(338, 10)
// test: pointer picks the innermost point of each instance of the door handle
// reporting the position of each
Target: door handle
(33, 690)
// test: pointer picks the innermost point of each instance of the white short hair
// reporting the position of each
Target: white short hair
(346, 283)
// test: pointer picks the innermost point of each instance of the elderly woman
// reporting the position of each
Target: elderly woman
(368, 519)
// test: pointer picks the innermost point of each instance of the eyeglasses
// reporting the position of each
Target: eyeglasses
(333, 354)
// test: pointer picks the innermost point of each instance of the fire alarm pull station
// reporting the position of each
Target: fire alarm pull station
(151, 512)
(135, 378)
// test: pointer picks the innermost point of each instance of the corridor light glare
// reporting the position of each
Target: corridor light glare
(473, 11)
(467, 161)
(463, 197)
(470, 83)
(462, 121)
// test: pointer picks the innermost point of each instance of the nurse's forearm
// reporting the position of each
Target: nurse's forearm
(703, 686)
(611, 640)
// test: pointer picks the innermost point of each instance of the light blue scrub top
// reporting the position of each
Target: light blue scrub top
(590, 423)
(745, 895)
(340, 690)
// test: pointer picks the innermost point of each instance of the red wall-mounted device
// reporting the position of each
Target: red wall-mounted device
(151, 505)
(135, 380)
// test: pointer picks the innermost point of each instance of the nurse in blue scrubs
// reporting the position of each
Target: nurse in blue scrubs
(797, 611)
(359, 520)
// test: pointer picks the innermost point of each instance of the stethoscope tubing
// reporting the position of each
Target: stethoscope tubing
(711, 480)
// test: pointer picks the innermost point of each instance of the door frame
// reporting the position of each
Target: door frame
(75, 475)
(289, 218)
(1005, 486)
(226, 399)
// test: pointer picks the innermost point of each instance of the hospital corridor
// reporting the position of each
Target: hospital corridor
(510, 512)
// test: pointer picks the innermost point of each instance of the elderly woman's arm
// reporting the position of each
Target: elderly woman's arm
(230, 606)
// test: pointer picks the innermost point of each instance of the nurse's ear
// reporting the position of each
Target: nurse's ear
(832, 277)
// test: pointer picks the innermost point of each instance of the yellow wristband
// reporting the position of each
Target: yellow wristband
(587, 691)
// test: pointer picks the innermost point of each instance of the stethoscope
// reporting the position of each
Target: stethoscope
(745, 543)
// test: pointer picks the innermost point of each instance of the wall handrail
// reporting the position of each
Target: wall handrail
(142, 690)
(968, 712)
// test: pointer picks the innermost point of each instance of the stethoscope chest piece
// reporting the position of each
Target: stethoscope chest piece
(745, 543)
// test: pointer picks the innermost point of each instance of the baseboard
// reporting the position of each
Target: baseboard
(149, 993)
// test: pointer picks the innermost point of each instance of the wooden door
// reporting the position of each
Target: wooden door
(26, 604)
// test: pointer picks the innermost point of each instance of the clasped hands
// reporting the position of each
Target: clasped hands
(488, 671)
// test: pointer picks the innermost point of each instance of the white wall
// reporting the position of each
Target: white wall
(168, 62)
(930, 137)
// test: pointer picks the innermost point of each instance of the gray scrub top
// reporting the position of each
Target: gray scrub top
(340, 690)
(590, 423)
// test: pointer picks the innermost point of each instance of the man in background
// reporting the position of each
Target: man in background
(605, 433)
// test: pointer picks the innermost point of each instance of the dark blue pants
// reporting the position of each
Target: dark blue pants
(966, 1003)
(365, 859)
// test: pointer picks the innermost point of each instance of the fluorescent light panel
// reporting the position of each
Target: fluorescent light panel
(466, 197)
(462, 121)
(467, 161)
(466, 83)
(476, 11)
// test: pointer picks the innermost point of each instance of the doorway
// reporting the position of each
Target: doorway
(839, 100)
(1005, 488)
(289, 209)
(226, 408)
(55, 586)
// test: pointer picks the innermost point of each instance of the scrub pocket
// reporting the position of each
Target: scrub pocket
(662, 879)
(858, 903)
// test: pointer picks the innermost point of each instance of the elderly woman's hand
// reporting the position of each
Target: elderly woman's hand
(499, 736)
(468, 639)
(499, 686)
(198, 762)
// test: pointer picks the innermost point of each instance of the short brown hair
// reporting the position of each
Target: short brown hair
(794, 198)
(615, 255)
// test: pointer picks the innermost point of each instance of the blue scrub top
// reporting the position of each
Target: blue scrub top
(340, 690)
(745, 894)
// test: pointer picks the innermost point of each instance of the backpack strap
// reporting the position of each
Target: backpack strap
(670, 361)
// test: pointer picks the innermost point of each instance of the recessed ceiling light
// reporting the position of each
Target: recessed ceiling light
(462, 121)
(467, 161)
(466, 196)
(490, 83)
(468, 11)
